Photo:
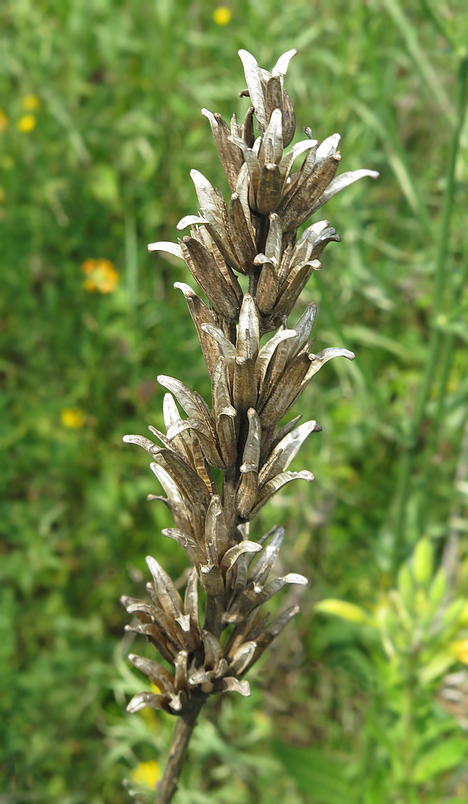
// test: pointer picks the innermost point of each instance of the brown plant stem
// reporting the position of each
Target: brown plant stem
(167, 786)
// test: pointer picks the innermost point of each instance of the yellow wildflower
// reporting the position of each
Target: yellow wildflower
(4, 122)
(30, 103)
(146, 773)
(26, 123)
(150, 717)
(101, 276)
(460, 649)
(222, 15)
(73, 418)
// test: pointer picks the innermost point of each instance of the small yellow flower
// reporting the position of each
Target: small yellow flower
(222, 15)
(26, 123)
(101, 276)
(73, 418)
(155, 689)
(30, 103)
(146, 773)
(4, 122)
(460, 649)
(150, 717)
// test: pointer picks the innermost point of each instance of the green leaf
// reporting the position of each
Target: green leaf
(320, 777)
(441, 758)
(436, 667)
(343, 609)
(104, 184)
(423, 562)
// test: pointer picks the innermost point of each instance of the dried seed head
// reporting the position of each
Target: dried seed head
(253, 386)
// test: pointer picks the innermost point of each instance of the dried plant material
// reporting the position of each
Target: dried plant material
(253, 385)
(229, 156)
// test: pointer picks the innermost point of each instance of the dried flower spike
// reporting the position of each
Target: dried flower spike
(254, 384)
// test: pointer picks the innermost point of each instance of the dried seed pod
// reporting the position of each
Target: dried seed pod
(267, 286)
(226, 348)
(230, 157)
(273, 630)
(244, 390)
(213, 650)
(289, 120)
(274, 485)
(150, 699)
(231, 555)
(284, 394)
(289, 158)
(303, 330)
(269, 188)
(191, 603)
(273, 587)
(157, 637)
(201, 316)
(194, 554)
(285, 451)
(215, 214)
(247, 490)
(274, 100)
(247, 128)
(193, 404)
(202, 235)
(187, 480)
(225, 413)
(293, 286)
(216, 535)
(253, 77)
(318, 360)
(181, 678)
(339, 183)
(271, 149)
(266, 354)
(242, 657)
(248, 331)
(253, 169)
(187, 638)
(165, 589)
(212, 580)
(296, 209)
(156, 673)
(241, 234)
(242, 190)
(205, 271)
(231, 684)
(264, 563)
(206, 452)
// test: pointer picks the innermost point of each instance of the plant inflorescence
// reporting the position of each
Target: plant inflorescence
(254, 385)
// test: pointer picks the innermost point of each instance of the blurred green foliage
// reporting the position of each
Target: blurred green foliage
(422, 634)
(99, 127)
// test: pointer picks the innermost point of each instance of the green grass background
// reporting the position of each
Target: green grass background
(104, 172)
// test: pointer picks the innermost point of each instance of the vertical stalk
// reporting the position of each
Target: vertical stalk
(408, 737)
(448, 348)
(407, 463)
(186, 723)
